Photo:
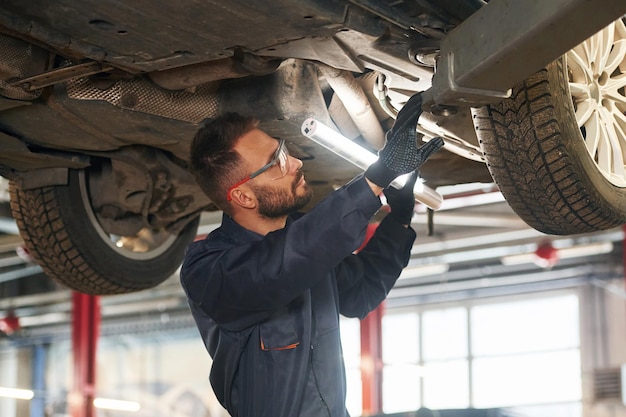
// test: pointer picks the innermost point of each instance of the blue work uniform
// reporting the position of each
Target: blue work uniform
(267, 307)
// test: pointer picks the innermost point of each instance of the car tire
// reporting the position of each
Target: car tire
(62, 234)
(558, 177)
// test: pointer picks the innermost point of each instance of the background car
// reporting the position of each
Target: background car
(99, 102)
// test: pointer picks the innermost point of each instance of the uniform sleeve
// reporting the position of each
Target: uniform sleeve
(243, 284)
(365, 279)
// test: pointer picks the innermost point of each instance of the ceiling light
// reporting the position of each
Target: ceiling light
(591, 249)
(20, 394)
(418, 271)
(119, 405)
(363, 158)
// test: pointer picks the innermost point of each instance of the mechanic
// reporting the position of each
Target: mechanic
(266, 288)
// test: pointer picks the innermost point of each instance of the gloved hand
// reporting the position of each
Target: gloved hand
(401, 154)
(402, 201)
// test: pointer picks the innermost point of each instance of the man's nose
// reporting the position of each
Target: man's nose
(294, 164)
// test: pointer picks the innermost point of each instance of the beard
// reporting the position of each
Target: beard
(280, 202)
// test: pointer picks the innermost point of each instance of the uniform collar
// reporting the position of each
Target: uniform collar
(240, 234)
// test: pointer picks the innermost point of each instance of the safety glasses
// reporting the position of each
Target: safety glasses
(279, 159)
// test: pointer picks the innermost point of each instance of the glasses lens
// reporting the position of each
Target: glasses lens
(283, 160)
(280, 159)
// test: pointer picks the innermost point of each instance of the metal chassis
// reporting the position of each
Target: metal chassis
(506, 41)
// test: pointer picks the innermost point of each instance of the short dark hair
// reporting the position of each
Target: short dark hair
(213, 162)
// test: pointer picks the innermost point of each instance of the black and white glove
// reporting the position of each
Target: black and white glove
(401, 154)
(402, 201)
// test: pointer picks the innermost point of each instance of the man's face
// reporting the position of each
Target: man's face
(278, 192)
(280, 201)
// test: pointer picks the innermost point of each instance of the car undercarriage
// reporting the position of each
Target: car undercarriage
(99, 102)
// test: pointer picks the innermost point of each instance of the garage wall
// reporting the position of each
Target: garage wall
(166, 374)
(603, 348)
(14, 373)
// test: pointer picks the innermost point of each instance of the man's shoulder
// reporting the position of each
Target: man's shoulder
(217, 240)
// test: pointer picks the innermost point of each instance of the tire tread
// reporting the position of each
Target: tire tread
(524, 145)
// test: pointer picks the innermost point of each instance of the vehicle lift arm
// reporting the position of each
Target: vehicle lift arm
(506, 41)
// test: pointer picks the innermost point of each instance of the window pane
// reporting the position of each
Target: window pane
(401, 388)
(525, 326)
(527, 379)
(351, 341)
(445, 333)
(354, 396)
(573, 409)
(446, 384)
(400, 338)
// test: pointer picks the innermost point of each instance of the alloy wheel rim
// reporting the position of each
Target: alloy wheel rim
(597, 82)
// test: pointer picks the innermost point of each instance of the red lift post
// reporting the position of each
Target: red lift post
(85, 332)
(371, 351)
(372, 362)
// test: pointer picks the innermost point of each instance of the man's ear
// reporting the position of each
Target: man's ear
(243, 197)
